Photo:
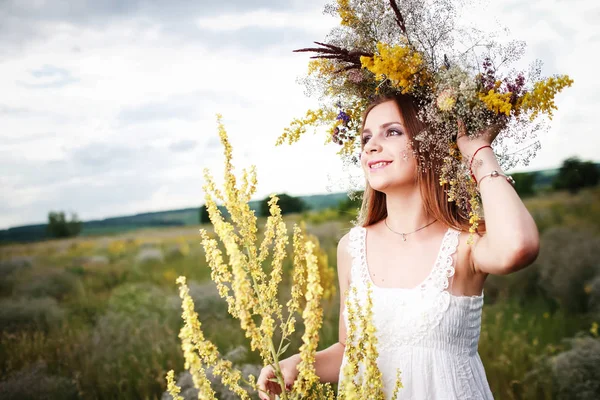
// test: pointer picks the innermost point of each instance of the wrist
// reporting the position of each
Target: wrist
(482, 161)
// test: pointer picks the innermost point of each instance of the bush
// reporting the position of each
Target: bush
(34, 382)
(56, 284)
(141, 301)
(576, 372)
(150, 255)
(128, 356)
(568, 261)
(15, 263)
(177, 251)
(30, 314)
(593, 289)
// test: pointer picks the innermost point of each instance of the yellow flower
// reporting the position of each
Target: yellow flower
(313, 318)
(594, 329)
(252, 293)
(346, 13)
(172, 388)
(362, 378)
(298, 126)
(541, 98)
(400, 64)
(497, 102)
(446, 100)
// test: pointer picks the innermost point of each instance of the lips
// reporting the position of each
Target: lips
(378, 164)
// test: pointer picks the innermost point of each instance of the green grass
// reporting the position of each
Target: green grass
(105, 323)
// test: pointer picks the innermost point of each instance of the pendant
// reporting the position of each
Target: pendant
(404, 236)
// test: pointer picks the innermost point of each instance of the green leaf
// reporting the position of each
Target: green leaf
(284, 349)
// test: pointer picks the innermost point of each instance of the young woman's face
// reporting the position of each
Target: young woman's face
(387, 158)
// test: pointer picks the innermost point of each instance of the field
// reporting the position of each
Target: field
(97, 317)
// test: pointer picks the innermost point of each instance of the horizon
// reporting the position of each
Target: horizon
(135, 213)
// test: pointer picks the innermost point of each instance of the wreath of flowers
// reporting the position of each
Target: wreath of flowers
(455, 74)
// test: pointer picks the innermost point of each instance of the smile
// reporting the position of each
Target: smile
(379, 165)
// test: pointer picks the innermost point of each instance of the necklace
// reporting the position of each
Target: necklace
(404, 234)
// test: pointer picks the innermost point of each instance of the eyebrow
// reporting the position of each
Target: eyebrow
(383, 126)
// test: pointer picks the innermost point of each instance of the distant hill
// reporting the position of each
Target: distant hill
(180, 217)
(190, 216)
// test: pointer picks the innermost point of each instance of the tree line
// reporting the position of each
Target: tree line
(573, 175)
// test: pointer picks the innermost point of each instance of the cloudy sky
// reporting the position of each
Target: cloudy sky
(108, 107)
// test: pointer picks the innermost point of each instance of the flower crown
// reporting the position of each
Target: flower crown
(383, 47)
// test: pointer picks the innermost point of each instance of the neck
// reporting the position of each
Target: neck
(406, 211)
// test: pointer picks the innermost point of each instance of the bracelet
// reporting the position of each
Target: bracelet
(495, 174)
(472, 158)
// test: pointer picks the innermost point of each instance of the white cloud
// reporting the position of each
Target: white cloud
(136, 89)
(263, 18)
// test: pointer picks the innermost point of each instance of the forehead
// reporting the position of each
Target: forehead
(383, 113)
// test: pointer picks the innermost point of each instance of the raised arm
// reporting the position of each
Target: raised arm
(511, 239)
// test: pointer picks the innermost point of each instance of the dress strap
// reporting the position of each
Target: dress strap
(359, 273)
(443, 269)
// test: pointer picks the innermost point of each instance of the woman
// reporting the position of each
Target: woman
(411, 249)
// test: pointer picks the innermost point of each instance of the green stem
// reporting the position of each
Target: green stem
(275, 365)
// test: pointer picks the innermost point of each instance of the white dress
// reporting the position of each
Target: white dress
(426, 332)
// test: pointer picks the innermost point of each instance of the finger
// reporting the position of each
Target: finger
(289, 382)
(262, 383)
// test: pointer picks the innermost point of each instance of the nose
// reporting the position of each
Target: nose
(372, 146)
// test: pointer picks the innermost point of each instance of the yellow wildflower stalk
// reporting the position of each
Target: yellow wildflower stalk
(313, 319)
(398, 385)
(541, 98)
(251, 294)
(372, 383)
(362, 378)
(298, 126)
(172, 388)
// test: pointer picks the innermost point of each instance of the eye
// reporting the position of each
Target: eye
(394, 132)
(365, 139)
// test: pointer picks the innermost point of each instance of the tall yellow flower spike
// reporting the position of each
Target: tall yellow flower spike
(252, 294)
(362, 378)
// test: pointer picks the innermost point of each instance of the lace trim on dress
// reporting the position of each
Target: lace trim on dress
(405, 316)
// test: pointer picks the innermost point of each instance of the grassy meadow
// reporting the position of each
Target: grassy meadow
(98, 317)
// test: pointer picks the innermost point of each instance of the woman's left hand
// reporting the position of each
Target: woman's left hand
(468, 145)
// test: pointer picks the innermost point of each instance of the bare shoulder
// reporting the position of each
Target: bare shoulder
(343, 247)
(344, 258)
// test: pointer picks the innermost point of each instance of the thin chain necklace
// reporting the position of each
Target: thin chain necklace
(404, 234)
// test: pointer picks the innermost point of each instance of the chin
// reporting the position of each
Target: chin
(386, 185)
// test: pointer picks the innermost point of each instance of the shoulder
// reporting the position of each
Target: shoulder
(344, 254)
(343, 247)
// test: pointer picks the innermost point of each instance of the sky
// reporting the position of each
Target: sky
(108, 108)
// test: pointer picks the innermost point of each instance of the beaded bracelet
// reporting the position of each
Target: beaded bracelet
(495, 174)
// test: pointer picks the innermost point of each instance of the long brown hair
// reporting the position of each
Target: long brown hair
(435, 198)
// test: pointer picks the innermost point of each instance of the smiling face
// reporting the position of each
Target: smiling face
(387, 158)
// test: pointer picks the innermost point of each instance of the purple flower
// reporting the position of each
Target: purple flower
(488, 78)
(344, 117)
